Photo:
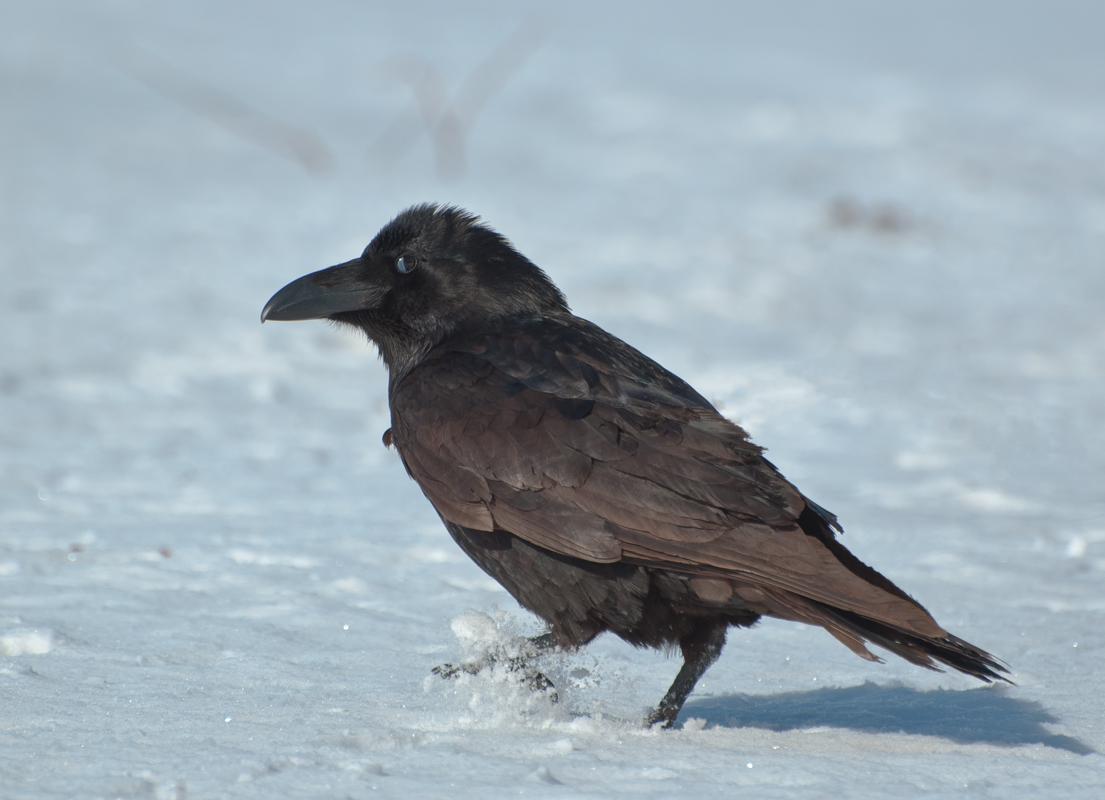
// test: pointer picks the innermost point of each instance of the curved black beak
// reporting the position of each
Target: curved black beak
(323, 293)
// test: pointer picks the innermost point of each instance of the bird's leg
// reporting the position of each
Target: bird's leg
(700, 649)
(537, 682)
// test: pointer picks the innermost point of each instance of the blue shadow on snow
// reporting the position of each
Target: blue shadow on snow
(974, 716)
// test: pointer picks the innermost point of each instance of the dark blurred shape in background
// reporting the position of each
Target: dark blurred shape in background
(216, 105)
(447, 120)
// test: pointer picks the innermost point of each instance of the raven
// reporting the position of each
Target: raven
(602, 491)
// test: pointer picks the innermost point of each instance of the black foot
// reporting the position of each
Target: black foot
(663, 714)
(700, 649)
(534, 680)
(449, 671)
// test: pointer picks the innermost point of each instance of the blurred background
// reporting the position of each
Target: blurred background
(872, 232)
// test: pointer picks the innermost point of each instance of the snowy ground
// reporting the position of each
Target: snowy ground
(873, 232)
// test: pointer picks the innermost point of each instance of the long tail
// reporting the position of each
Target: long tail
(920, 650)
(854, 631)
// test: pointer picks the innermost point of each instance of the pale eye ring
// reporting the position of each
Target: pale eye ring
(405, 263)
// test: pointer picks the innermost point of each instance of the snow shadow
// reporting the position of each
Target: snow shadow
(976, 715)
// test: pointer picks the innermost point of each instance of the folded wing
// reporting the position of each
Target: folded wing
(606, 457)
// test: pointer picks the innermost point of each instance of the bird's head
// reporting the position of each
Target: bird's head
(430, 272)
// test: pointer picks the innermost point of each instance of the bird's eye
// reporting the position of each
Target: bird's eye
(405, 263)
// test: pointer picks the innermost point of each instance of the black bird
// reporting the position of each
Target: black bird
(601, 491)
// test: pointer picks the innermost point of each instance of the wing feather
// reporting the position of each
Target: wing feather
(588, 449)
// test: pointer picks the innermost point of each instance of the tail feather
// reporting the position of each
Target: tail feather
(787, 605)
(854, 631)
(852, 628)
(923, 650)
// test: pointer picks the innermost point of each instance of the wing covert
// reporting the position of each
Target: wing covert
(609, 457)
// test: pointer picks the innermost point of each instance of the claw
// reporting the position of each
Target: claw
(446, 671)
(536, 681)
(666, 715)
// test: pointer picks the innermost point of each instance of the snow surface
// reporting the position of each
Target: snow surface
(873, 232)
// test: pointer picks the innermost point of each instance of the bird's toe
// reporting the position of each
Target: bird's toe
(664, 717)
(538, 682)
